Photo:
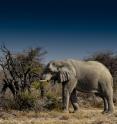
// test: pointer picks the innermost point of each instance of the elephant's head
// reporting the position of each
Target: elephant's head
(57, 71)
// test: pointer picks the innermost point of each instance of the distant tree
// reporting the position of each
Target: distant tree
(21, 69)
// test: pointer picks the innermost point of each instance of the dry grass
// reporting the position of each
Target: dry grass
(84, 116)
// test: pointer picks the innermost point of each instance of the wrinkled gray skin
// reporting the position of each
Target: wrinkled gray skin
(76, 75)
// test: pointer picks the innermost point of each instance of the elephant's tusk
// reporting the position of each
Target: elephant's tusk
(42, 80)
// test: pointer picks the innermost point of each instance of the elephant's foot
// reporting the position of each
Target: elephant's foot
(110, 111)
(65, 111)
(74, 111)
(107, 112)
(75, 106)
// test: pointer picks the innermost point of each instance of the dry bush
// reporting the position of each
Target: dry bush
(53, 97)
(24, 101)
(33, 100)
(89, 100)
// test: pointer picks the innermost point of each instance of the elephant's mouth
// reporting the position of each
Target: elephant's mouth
(46, 77)
(49, 78)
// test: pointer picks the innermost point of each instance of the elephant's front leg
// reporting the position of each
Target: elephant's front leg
(74, 100)
(65, 97)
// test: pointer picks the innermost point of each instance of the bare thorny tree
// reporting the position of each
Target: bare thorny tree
(20, 70)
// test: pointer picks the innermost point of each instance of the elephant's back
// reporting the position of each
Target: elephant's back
(90, 67)
(98, 66)
(91, 70)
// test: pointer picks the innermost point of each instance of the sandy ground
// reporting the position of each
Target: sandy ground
(84, 116)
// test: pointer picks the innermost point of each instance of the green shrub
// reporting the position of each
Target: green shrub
(24, 101)
(53, 102)
(36, 85)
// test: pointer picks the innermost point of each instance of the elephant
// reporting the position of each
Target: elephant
(84, 76)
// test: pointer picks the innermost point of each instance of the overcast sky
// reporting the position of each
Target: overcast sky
(65, 28)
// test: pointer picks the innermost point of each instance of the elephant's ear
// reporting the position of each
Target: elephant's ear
(64, 70)
(64, 75)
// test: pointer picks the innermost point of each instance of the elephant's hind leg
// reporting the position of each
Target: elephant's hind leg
(74, 100)
(105, 102)
(110, 103)
(105, 105)
(109, 98)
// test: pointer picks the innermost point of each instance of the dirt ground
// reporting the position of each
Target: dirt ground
(84, 116)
